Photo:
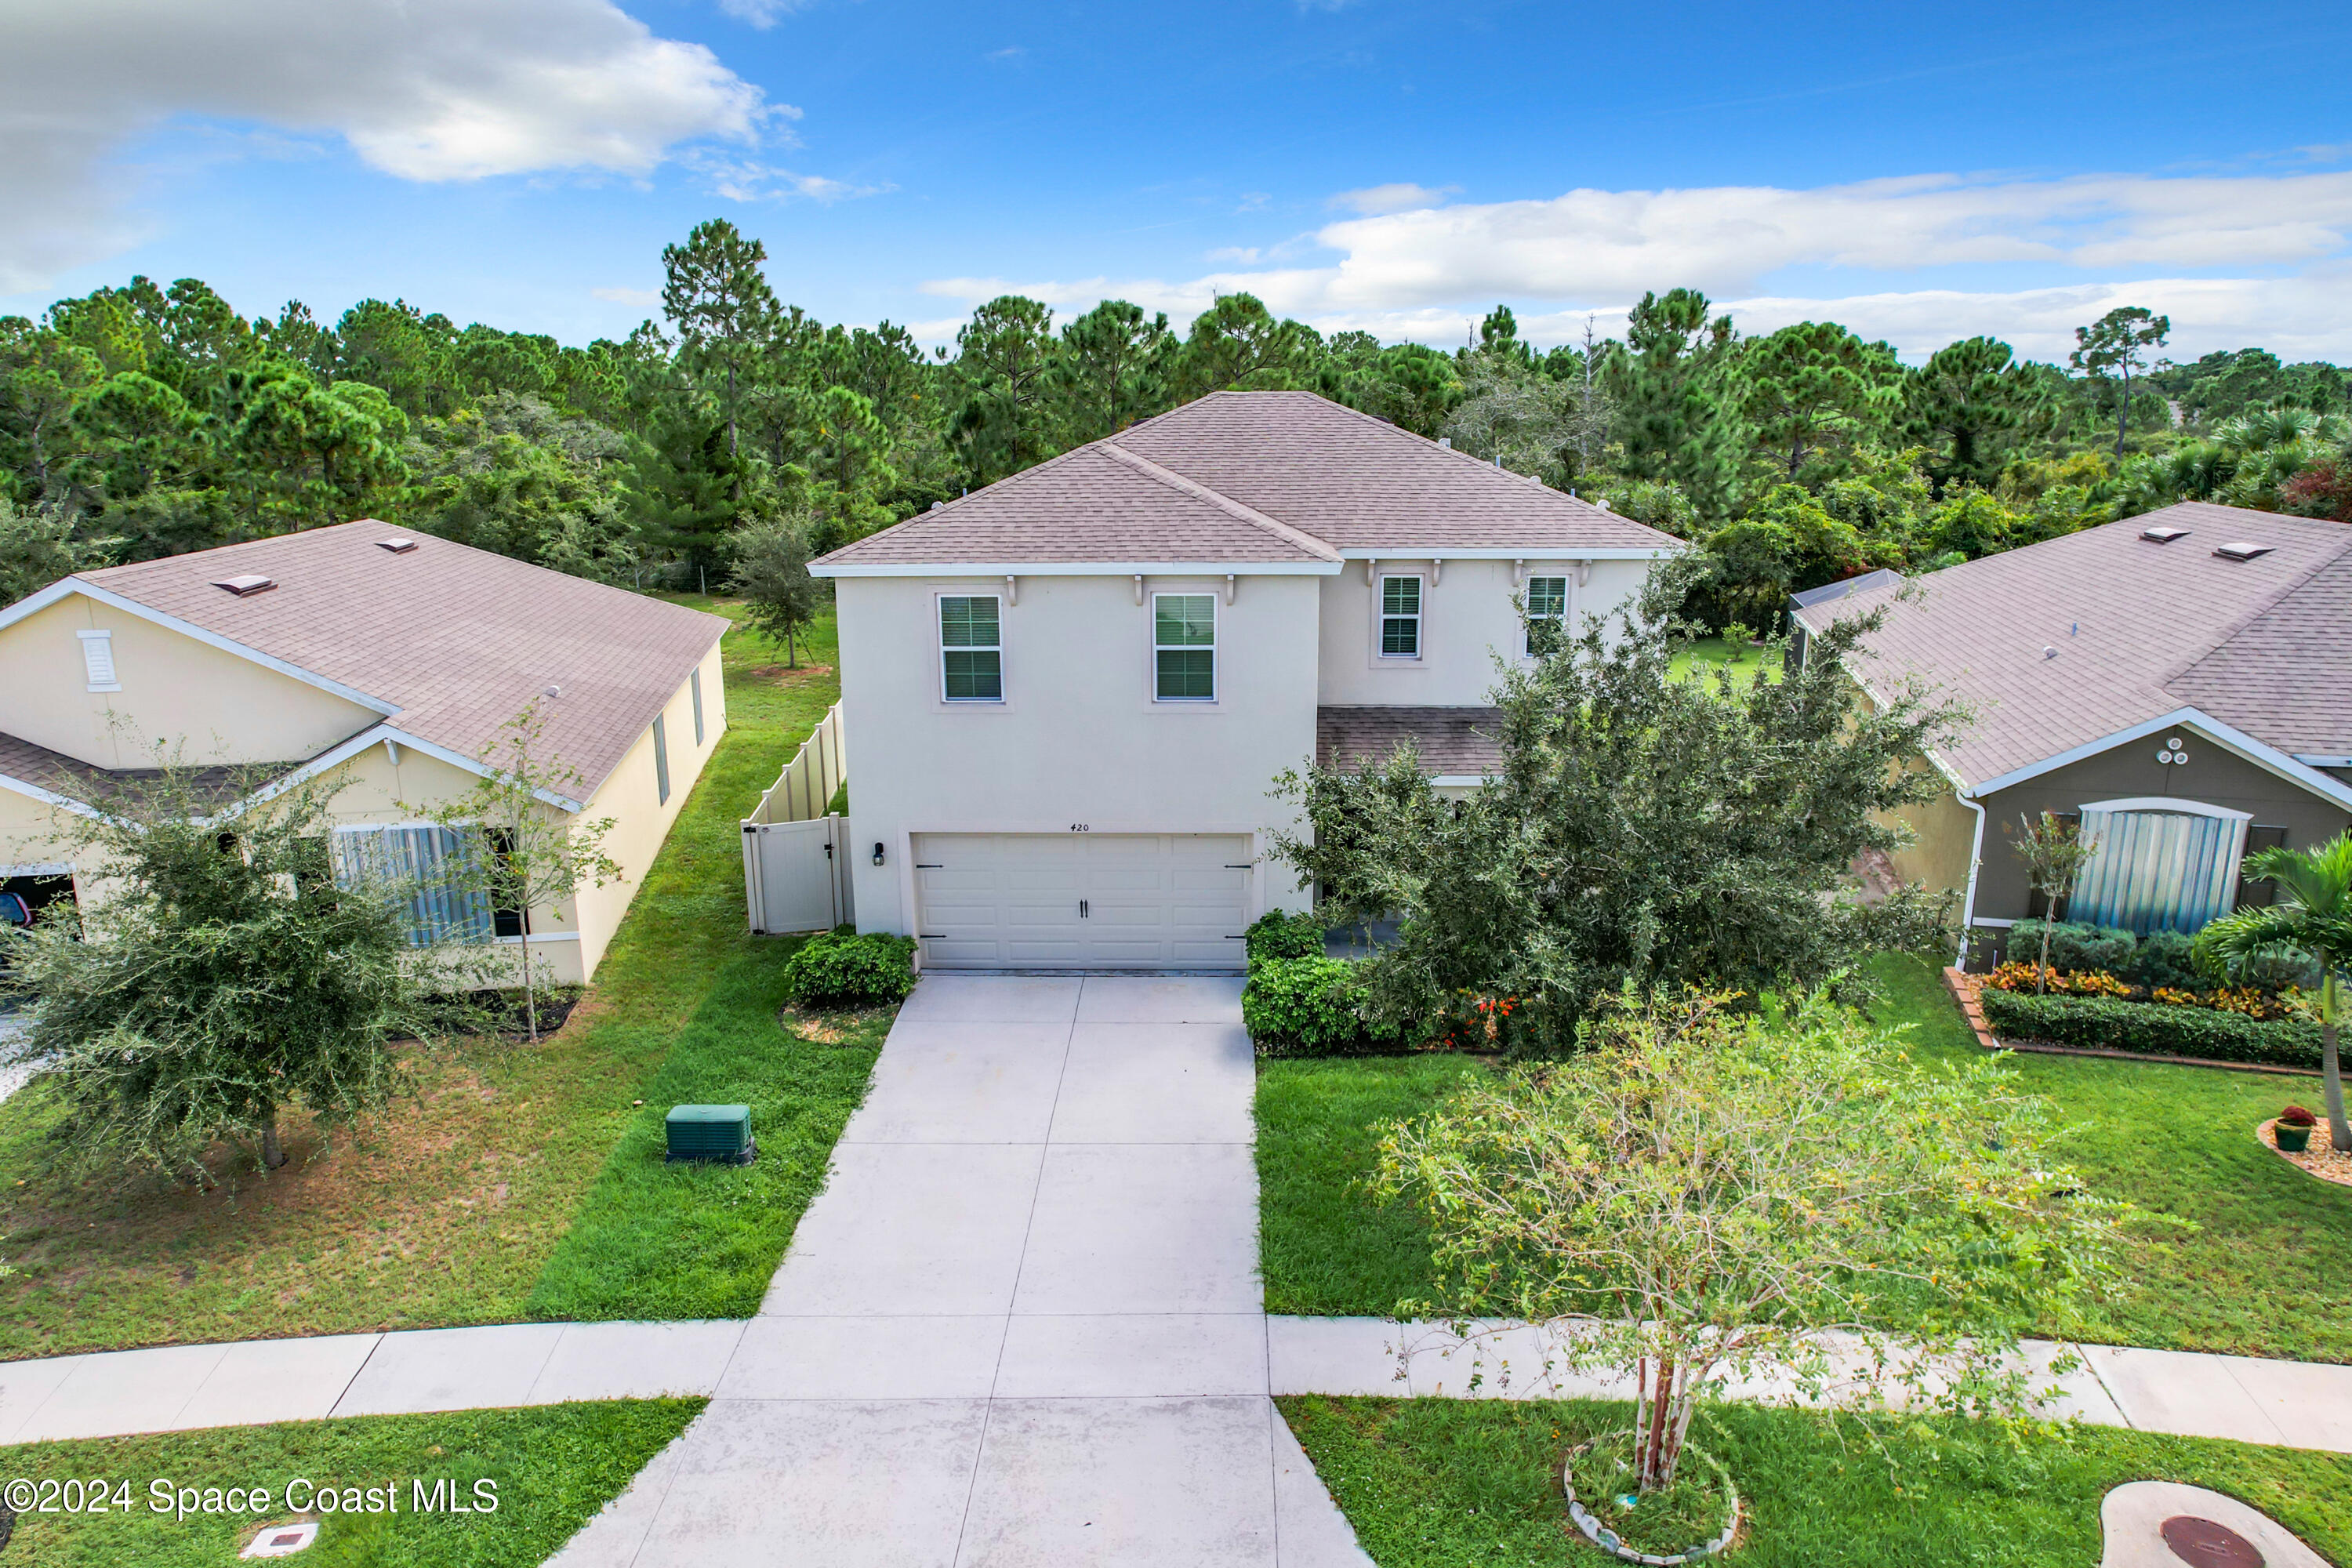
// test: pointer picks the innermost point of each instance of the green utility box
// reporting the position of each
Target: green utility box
(712, 1133)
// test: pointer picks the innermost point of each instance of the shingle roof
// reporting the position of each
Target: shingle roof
(1458, 742)
(76, 780)
(2139, 630)
(456, 640)
(1249, 477)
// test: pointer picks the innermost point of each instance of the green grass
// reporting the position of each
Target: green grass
(1709, 655)
(1325, 1247)
(2267, 1271)
(1438, 1483)
(553, 1466)
(528, 1181)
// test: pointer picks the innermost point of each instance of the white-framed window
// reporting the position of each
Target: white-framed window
(1547, 625)
(98, 660)
(1184, 647)
(2159, 863)
(424, 867)
(694, 684)
(971, 648)
(1400, 617)
(661, 761)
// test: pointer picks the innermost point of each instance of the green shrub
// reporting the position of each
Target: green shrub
(1282, 933)
(2166, 959)
(1306, 1007)
(842, 969)
(2074, 946)
(2109, 1023)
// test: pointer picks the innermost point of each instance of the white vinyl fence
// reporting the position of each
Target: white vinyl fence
(795, 853)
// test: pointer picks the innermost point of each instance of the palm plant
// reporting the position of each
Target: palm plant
(2312, 916)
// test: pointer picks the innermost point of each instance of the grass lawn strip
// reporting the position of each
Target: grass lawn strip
(2266, 1272)
(1444, 1483)
(513, 1188)
(554, 1467)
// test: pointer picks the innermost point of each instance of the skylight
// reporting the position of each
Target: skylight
(249, 584)
(2162, 536)
(2241, 550)
(398, 544)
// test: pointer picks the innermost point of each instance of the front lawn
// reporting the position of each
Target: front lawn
(1442, 1483)
(2267, 1271)
(552, 1468)
(527, 1181)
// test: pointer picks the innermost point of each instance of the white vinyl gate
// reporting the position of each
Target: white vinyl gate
(796, 875)
(795, 856)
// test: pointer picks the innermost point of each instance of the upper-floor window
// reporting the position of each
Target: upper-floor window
(971, 648)
(1184, 647)
(1547, 614)
(1400, 617)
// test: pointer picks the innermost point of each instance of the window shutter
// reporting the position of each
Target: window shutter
(2263, 893)
(98, 660)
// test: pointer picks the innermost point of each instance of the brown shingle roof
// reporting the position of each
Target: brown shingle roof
(456, 640)
(1248, 477)
(1452, 742)
(76, 780)
(2140, 629)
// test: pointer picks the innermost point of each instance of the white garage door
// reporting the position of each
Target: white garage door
(1082, 900)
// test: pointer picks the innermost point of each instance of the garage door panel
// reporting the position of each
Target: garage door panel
(1013, 901)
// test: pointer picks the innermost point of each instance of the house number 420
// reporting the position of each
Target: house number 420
(1082, 827)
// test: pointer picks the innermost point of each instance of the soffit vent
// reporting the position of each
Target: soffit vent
(2162, 536)
(2242, 550)
(246, 586)
(398, 545)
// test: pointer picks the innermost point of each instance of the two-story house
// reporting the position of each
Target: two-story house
(1071, 692)
(390, 664)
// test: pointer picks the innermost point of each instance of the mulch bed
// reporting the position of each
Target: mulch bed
(1965, 987)
(2321, 1159)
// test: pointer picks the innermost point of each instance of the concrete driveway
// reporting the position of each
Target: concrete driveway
(1022, 1325)
(12, 1079)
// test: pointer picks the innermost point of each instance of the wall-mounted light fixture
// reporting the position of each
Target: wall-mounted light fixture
(878, 852)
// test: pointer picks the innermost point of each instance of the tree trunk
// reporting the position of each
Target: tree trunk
(2041, 979)
(2123, 415)
(2331, 1073)
(273, 1153)
(529, 986)
(1652, 1467)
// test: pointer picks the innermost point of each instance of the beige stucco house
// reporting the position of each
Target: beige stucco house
(1071, 690)
(2180, 683)
(387, 661)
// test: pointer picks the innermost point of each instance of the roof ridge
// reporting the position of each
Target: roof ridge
(1142, 465)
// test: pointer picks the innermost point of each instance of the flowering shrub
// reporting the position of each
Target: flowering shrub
(1482, 1027)
(2016, 976)
(2245, 1000)
(2296, 1115)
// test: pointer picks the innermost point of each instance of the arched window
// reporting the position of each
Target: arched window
(2160, 864)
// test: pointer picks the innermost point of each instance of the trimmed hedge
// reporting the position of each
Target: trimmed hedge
(842, 969)
(1306, 1007)
(1283, 934)
(2108, 1023)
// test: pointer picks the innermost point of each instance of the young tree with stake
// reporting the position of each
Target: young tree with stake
(525, 852)
(2054, 851)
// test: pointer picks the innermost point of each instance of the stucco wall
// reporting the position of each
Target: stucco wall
(640, 819)
(214, 706)
(1078, 737)
(1943, 835)
(1467, 617)
(2212, 776)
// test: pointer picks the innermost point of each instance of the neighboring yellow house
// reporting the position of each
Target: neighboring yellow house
(392, 661)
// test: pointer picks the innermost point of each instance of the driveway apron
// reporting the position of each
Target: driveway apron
(1022, 1323)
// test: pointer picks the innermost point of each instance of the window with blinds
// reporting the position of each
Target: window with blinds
(427, 869)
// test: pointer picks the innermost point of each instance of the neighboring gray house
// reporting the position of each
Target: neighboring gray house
(1072, 690)
(2180, 682)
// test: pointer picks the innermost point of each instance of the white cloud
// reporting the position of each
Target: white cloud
(638, 299)
(762, 13)
(2281, 244)
(748, 180)
(422, 89)
(1374, 200)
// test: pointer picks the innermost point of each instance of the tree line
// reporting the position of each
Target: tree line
(737, 434)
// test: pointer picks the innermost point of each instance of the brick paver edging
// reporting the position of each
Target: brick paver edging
(1964, 987)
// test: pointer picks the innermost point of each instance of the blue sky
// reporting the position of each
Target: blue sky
(1919, 172)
